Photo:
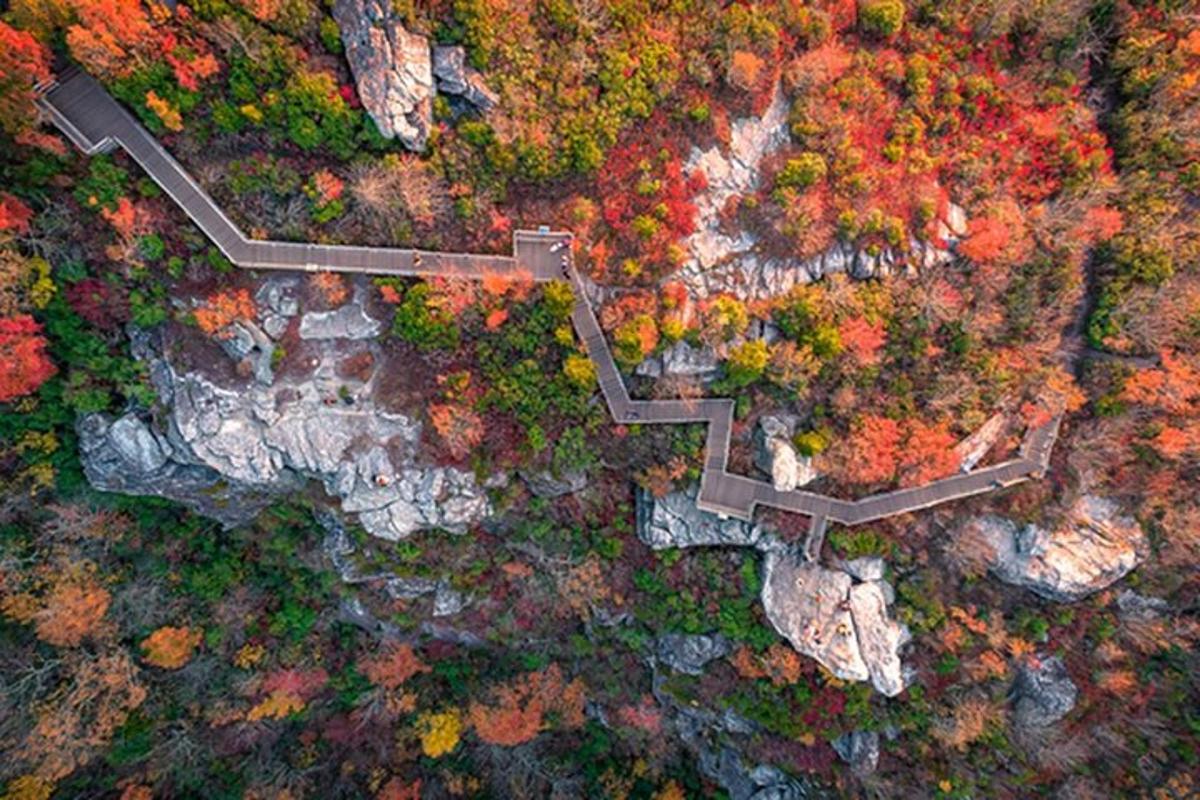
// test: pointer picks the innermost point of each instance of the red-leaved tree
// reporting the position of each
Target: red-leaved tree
(24, 365)
(23, 62)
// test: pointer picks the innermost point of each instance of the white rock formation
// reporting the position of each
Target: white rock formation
(396, 70)
(348, 321)
(729, 175)
(843, 625)
(392, 69)
(1094, 547)
(362, 454)
(682, 360)
(225, 447)
(971, 450)
(879, 637)
(775, 454)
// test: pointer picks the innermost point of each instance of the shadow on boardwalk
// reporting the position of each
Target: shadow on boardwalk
(95, 123)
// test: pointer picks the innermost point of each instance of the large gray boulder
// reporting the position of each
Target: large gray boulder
(1043, 692)
(825, 615)
(690, 654)
(682, 359)
(454, 77)
(1092, 549)
(879, 637)
(674, 520)
(971, 450)
(392, 69)
(277, 303)
(349, 321)
(775, 454)
(859, 749)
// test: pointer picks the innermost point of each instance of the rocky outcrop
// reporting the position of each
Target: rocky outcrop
(1043, 692)
(708, 734)
(1093, 548)
(395, 71)
(827, 616)
(454, 77)
(775, 454)
(339, 549)
(864, 568)
(859, 749)
(277, 303)
(729, 175)
(720, 261)
(549, 485)
(392, 69)
(690, 654)
(682, 360)
(674, 520)
(128, 456)
(749, 276)
(348, 321)
(1136, 607)
(971, 450)
(222, 450)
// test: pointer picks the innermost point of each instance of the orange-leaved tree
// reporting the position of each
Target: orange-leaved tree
(392, 665)
(928, 453)
(170, 647)
(112, 37)
(224, 308)
(14, 215)
(459, 428)
(518, 711)
(79, 720)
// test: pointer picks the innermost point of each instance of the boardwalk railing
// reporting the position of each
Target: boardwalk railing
(94, 122)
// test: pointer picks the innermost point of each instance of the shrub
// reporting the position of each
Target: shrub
(581, 371)
(151, 247)
(559, 299)
(811, 443)
(745, 69)
(635, 340)
(746, 363)
(881, 17)
(420, 323)
(803, 171)
(170, 647)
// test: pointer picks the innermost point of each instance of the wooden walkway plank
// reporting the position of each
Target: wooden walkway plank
(95, 122)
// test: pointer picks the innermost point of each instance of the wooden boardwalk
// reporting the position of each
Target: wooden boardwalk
(93, 120)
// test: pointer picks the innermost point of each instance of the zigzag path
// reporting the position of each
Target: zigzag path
(93, 120)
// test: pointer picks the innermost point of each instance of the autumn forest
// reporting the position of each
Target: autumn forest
(357, 534)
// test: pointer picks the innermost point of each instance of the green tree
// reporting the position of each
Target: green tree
(881, 17)
(802, 171)
(746, 363)
(419, 323)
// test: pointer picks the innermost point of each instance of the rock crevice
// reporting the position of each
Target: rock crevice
(844, 625)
